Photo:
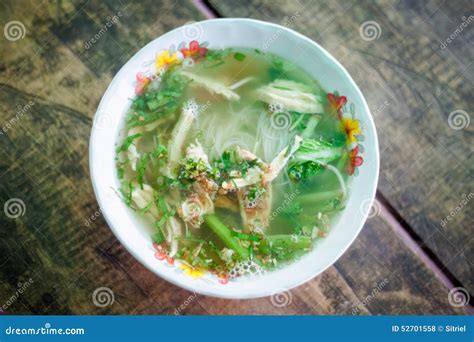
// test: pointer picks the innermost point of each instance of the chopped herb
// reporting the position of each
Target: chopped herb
(162, 205)
(160, 151)
(146, 208)
(255, 192)
(158, 103)
(158, 237)
(141, 168)
(161, 221)
(127, 193)
(190, 170)
(120, 172)
(239, 56)
(127, 142)
(228, 162)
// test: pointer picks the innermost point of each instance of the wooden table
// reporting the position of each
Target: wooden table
(50, 86)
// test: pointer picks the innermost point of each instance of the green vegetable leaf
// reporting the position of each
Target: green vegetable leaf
(311, 157)
(246, 237)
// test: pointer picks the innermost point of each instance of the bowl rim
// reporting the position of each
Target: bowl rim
(261, 293)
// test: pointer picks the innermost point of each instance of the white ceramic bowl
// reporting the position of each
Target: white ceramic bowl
(221, 33)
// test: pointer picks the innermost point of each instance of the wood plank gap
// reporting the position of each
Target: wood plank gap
(417, 245)
(389, 213)
(206, 9)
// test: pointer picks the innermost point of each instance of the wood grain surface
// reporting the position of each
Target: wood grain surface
(50, 86)
(412, 84)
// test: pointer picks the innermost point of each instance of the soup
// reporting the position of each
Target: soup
(236, 159)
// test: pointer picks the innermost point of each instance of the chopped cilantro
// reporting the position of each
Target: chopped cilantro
(158, 103)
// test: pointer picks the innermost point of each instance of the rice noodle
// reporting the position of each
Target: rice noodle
(272, 140)
(189, 113)
(224, 132)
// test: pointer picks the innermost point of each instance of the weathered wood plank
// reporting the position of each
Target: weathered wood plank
(43, 162)
(68, 260)
(412, 85)
(44, 145)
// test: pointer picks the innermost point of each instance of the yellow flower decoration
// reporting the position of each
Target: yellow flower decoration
(352, 128)
(164, 59)
(190, 271)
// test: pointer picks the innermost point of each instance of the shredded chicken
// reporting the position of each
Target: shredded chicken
(256, 211)
(189, 113)
(279, 162)
(173, 230)
(201, 200)
(254, 175)
(132, 153)
(212, 86)
(291, 95)
(195, 152)
(143, 197)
